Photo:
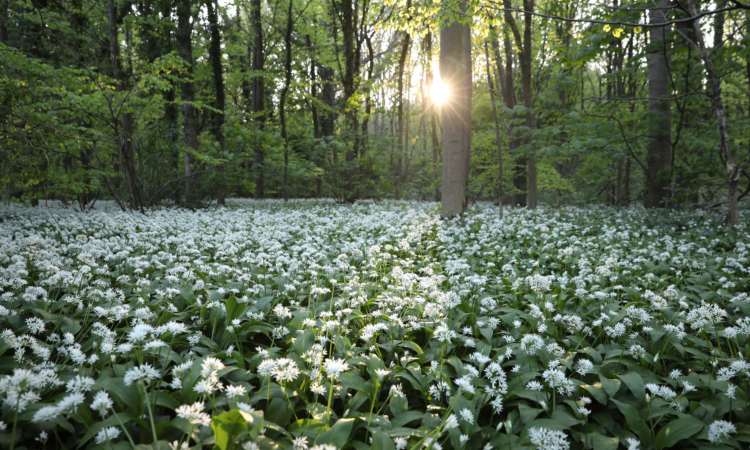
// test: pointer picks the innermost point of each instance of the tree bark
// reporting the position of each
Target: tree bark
(368, 93)
(659, 154)
(731, 166)
(285, 94)
(348, 29)
(520, 167)
(528, 100)
(124, 125)
(401, 149)
(434, 113)
(495, 118)
(328, 97)
(313, 87)
(189, 117)
(258, 91)
(217, 125)
(4, 21)
(455, 70)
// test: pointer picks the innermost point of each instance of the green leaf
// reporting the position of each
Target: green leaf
(597, 391)
(339, 433)
(611, 386)
(560, 420)
(598, 441)
(677, 430)
(228, 427)
(528, 413)
(634, 419)
(352, 380)
(381, 441)
(634, 382)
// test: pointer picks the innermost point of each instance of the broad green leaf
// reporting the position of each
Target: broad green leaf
(339, 433)
(677, 430)
(634, 382)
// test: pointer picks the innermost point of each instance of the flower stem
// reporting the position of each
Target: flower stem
(150, 415)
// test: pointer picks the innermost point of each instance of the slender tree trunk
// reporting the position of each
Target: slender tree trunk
(455, 69)
(348, 29)
(4, 21)
(509, 99)
(433, 112)
(285, 94)
(520, 166)
(528, 100)
(399, 169)
(495, 119)
(659, 154)
(125, 123)
(258, 91)
(189, 117)
(731, 166)
(368, 95)
(313, 88)
(217, 126)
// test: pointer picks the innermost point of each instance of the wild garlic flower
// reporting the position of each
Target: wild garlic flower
(547, 439)
(194, 413)
(720, 429)
(335, 367)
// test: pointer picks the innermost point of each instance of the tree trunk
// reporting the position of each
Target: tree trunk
(433, 112)
(401, 146)
(348, 25)
(659, 154)
(731, 166)
(455, 70)
(124, 125)
(328, 97)
(520, 166)
(4, 21)
(495, 119)
(368, 94)
(258, 91)
(313, 88)
(526, 59)
(189, 117)
(285, 94)
(217, 126)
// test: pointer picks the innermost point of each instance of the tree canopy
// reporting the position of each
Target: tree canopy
(188, 102)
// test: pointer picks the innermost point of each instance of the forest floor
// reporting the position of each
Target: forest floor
(317, 325)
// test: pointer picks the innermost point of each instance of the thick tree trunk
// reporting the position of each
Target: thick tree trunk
(125, 123)
(659, 156)
(284, 96)
(189, 117)
(731, 166)
(217, 125)
(328, 97)
(496, 120)
(258, 91)
(455, 70)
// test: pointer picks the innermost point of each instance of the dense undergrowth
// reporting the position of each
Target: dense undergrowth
(315, 325)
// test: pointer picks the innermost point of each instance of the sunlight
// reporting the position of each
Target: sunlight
(439, 92)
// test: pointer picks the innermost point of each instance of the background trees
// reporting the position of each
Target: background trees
(190, 101)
